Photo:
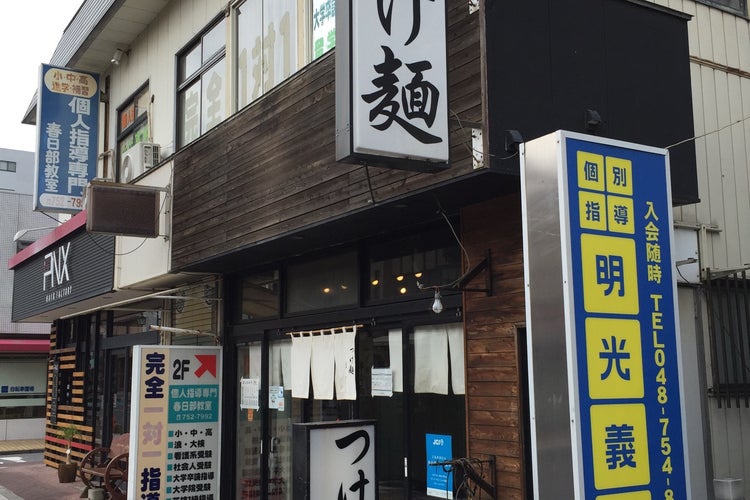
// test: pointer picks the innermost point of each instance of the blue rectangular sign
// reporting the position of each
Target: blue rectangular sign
(624, 323)
(439, 478)
(67, 138)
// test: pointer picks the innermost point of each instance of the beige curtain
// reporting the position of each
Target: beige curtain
(434, 347)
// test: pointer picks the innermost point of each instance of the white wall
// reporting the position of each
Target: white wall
(152, 59)
(16, 198)
(22, 428)
(140, 259)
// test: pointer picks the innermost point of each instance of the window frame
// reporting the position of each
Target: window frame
(186, 81)
(303, 53)
(7, 166)
(723, 5)
(136, 124)
(728, 304)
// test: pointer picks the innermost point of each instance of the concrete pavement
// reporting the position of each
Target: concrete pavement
(32, 481)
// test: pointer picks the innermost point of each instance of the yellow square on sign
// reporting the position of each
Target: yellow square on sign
(619, 176)
(633, 495)
(619, 446)
(608, 269)
(614, 358)
(590, 171)
(620, 214)
(592, 210)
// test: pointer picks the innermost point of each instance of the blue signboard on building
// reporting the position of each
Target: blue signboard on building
(67, 138)
(623, 320)
(439, 448)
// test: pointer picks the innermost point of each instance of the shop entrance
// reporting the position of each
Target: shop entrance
(119, 363)
(117, 379)
(409, 379)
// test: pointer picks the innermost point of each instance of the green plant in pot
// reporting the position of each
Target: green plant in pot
(66, 472)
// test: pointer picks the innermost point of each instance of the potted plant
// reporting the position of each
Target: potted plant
(66, 472)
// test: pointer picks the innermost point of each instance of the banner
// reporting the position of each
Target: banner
(67, 125)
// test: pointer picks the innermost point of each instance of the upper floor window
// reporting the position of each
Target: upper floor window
(736, 6)
(323, 27)
(201, 85)
(132, 123)
(268, 48)
(7, 166)
(272, 39)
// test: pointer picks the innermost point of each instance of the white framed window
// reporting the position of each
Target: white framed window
(272, 44)
(201, 83)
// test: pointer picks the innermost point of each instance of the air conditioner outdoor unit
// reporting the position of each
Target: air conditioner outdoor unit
(138, 159)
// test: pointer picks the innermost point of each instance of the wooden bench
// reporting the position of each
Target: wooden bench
(107, 467)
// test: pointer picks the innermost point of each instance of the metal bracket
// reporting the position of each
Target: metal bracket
(485, 264)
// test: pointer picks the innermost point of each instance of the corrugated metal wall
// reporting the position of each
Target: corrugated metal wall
(720, 78)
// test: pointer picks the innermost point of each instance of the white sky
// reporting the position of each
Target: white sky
(31, 30)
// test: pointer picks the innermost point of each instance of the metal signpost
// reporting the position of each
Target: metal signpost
(598, 217)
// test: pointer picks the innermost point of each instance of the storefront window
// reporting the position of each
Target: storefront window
(281, 411)
(323, 283)
(410, 381)
(260, 296)
(396, 267)
(249, 435)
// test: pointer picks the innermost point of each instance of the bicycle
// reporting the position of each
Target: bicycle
(472, 475)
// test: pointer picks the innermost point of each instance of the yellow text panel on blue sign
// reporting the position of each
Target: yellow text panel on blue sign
(614, 358)
(619, 444)
(609, 268)
(633, 495)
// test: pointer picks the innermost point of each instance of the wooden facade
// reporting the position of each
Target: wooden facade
(270, 170)
(72, 415)
(494, 392)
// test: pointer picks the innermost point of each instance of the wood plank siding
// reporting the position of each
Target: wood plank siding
(493, 400)
(55, 445)
(270, 170)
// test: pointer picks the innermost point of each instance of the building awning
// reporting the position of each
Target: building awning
(24, 345)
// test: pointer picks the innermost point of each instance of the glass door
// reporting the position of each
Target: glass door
(120, 368)
(264, 426)
(249, 421)
(413, 391)
(436, 417)
(283, 411)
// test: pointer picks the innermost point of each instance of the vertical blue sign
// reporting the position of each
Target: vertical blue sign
(624, 320)
(67, 138)
(439, 478)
